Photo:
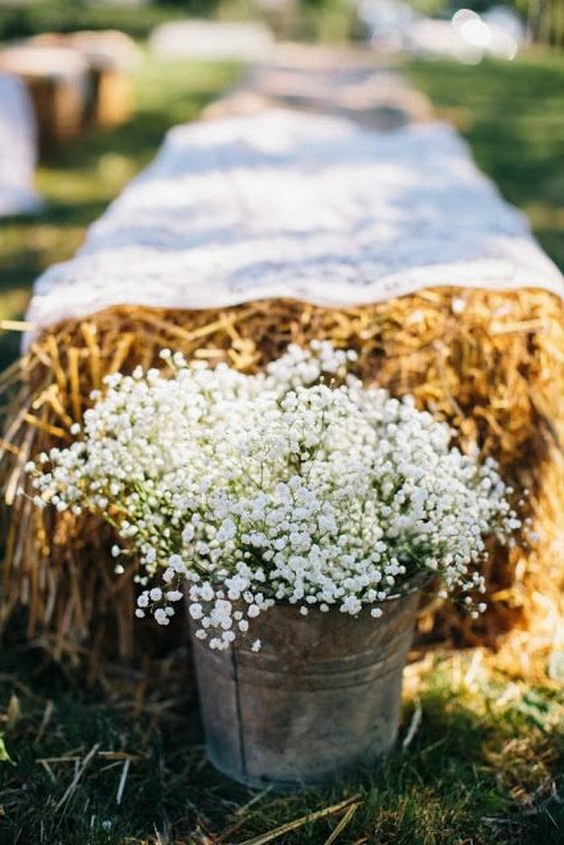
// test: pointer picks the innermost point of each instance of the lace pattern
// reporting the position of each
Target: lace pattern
(287, 204)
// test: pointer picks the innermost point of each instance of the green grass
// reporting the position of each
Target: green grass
(485, 766)
(512, 113)
(330, 21)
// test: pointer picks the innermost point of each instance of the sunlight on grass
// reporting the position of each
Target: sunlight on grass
(513, 116)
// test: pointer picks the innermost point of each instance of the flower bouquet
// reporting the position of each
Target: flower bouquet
(293, 508)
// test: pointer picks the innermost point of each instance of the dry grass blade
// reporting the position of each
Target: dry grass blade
(254, 800)
(53, 430)
(45, 719)
(345, 821)
(48, 769)
(413, 725)
(8, 447)
(77, 777)
(122, 781)
(276, 832)
(119, 756)
(16, 326)
(12, 373)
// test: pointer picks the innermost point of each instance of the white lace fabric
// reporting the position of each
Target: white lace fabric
(289, 204)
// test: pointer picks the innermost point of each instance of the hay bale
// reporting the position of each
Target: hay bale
(110, 57)
(359, 217)
(112, 97)
(56, 78)
(494, 370)
(489, 361)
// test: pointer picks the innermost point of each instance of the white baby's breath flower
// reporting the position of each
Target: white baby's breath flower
(195, 610)
(161, 616)
(296, 485)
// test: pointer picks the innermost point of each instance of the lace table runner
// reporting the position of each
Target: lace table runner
(290, 204)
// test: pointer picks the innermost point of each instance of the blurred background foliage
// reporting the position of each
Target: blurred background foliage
(320, 19)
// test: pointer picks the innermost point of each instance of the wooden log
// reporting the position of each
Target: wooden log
(111, 99)
(110, 57)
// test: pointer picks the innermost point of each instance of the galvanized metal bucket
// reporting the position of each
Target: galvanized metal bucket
(322, 696)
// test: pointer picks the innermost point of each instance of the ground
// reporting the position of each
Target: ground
(480, 766)
(483, 751)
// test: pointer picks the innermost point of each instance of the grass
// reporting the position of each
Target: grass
(485, 763)
(513, 116)
(482, 768)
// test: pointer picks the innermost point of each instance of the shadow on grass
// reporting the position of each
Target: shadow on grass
(472, 773)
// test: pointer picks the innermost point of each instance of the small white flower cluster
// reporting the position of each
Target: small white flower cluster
(297, 485)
